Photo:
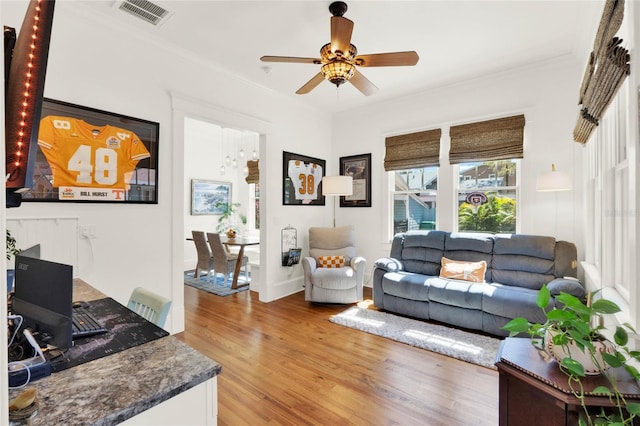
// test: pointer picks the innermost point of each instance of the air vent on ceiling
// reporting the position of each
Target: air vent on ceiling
(145, 10)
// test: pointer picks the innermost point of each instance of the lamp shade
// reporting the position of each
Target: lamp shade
(337, 185)
(554, 181)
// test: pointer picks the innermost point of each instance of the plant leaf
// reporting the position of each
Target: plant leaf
(620, 336)
(517, 325)
(573, 303)
(602, 390)
(560, 315)
(633, 408)
(544, 295)
(573, 366)
(604, 306)
(611, 360)
(632, 371)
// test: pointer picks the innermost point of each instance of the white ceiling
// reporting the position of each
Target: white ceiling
(456, 40)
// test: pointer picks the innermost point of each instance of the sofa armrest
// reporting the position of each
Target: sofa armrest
(389, 264)
(358, 263)
(571, 286)
(308, 265)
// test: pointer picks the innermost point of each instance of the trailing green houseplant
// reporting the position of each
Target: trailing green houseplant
(578, 325)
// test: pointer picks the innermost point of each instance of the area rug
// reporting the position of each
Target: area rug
(452, 342)
(215, 284)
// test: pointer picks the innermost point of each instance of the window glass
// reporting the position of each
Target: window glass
(487, 196)
(414, 199)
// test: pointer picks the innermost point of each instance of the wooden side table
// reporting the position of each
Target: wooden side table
(533, 390)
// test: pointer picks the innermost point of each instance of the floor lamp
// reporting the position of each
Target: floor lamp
(336, 186)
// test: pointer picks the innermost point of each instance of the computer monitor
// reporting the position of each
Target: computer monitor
(44, 297)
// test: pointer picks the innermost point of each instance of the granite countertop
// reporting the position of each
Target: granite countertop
(114, 388)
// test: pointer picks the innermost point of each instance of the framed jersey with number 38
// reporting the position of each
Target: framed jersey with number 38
(88, 155)
(302, 177)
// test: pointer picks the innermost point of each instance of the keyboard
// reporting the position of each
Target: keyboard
(84, 324)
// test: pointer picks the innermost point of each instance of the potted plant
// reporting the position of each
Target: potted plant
(574, 334)
(228, 220)
(12, 250)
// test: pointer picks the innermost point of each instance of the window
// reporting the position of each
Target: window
(487, 196)
(609, 201)
(414, 199)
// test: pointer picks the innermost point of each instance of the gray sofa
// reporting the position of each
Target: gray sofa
(408, 282)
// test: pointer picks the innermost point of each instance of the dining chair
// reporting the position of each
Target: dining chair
(205, 259)
(223, 261)
(153, 307)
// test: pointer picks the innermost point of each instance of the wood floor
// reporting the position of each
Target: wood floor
(285, 363)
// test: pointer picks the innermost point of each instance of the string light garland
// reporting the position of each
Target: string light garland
(27, 89)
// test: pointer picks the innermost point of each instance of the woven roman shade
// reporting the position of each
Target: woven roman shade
(606, 71)
(254, 172)
(413, 150)
(499, 139)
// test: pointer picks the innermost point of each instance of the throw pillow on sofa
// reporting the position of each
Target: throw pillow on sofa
(331, 261)
(466, 271)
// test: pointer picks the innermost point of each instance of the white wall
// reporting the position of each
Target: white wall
(106, 66)
(546, 93)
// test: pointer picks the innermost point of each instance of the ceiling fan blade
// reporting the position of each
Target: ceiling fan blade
(341, 29)
(394, 59)
(290, 59)
(311, 84)
(363, 84)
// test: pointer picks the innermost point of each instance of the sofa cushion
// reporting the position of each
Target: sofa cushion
(564, 285)
(526, 245)
(470, 241)
(406, 285)
(332, 241)
(463, 294)
(512, 302)
(334, 278)
(523, 260)
(422, 251)
(466, 271)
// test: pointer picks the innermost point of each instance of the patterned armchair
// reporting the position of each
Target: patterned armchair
(332, 272)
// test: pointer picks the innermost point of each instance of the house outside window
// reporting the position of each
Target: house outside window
(414, 199)
(487, 196)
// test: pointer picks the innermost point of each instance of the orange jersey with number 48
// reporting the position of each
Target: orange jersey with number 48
(80, 154)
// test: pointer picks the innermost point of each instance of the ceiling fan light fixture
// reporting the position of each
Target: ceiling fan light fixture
(329, 55)
(338, 72)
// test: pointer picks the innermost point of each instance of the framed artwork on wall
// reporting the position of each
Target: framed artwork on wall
(88, 155)
(359, 168)
(209, 197)
(302, 180)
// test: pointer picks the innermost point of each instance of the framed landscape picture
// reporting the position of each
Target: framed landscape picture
(302, 180)
(87, 155)
(359, 168)
(209, 197)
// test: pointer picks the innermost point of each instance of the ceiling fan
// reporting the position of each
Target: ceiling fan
(339, 58)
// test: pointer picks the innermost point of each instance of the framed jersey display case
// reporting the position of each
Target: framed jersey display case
(88, 155)
(302, 177)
